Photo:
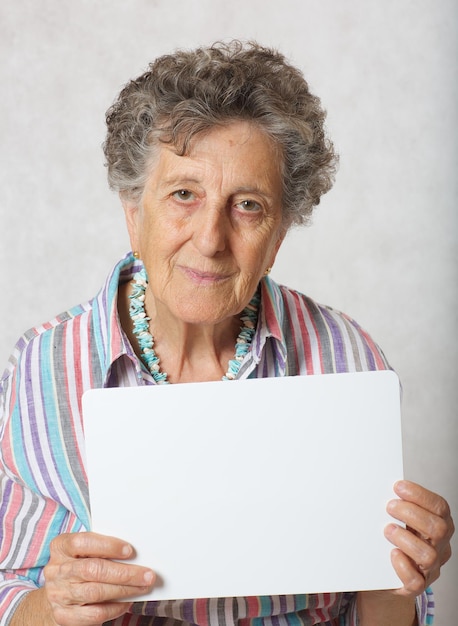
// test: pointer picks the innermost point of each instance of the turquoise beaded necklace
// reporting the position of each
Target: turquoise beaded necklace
(146, 341)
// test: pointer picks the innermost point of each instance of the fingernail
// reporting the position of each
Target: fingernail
(148, 577)
(399, 487)
(127, 550)
(391, 505)
(390, 529)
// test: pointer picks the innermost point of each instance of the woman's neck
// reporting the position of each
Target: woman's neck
(187, 352)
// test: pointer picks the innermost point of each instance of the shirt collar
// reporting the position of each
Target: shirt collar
(271, 319)
(112, 343)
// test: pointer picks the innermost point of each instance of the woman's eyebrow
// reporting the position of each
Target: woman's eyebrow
(179, 180)
(254, 189)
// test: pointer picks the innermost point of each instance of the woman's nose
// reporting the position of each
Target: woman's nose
(210, 230)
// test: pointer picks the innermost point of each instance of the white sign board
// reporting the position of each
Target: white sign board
(253, 487)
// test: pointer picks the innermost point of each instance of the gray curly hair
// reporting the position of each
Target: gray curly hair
(190, 92)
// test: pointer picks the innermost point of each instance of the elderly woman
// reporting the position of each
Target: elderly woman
(215, 154)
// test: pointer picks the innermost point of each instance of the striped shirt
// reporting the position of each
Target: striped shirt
(43, 480)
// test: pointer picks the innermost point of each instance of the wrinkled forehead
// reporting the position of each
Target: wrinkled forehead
(183, 138)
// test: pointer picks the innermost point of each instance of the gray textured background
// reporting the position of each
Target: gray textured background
(383, 246)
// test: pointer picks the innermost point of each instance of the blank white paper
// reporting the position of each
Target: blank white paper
(253, 487)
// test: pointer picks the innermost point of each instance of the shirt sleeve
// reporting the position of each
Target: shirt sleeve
(16, 515)
(29, 516)
(424, 606)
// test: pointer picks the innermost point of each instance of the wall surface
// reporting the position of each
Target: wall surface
(383, 246)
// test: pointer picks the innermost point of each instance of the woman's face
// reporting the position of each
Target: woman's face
(209, 223)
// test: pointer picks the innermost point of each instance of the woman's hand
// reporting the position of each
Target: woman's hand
(424, 545)
(84, 586)
(421, 549)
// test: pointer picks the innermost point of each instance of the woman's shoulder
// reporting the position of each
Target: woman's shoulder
(40, 342)
(294, 299)
(325, 334)
(83, 335)
(292, 302)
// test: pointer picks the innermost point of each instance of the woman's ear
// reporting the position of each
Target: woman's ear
(131, 214)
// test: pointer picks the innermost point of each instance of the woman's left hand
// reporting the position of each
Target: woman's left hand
(424, 545)
(420, 550)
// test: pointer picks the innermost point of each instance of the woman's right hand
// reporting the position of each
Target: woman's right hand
(84, 586)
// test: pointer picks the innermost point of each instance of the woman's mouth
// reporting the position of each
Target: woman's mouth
(203, 278)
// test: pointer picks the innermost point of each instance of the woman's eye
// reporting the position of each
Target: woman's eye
(249, 205)
(183, 194)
